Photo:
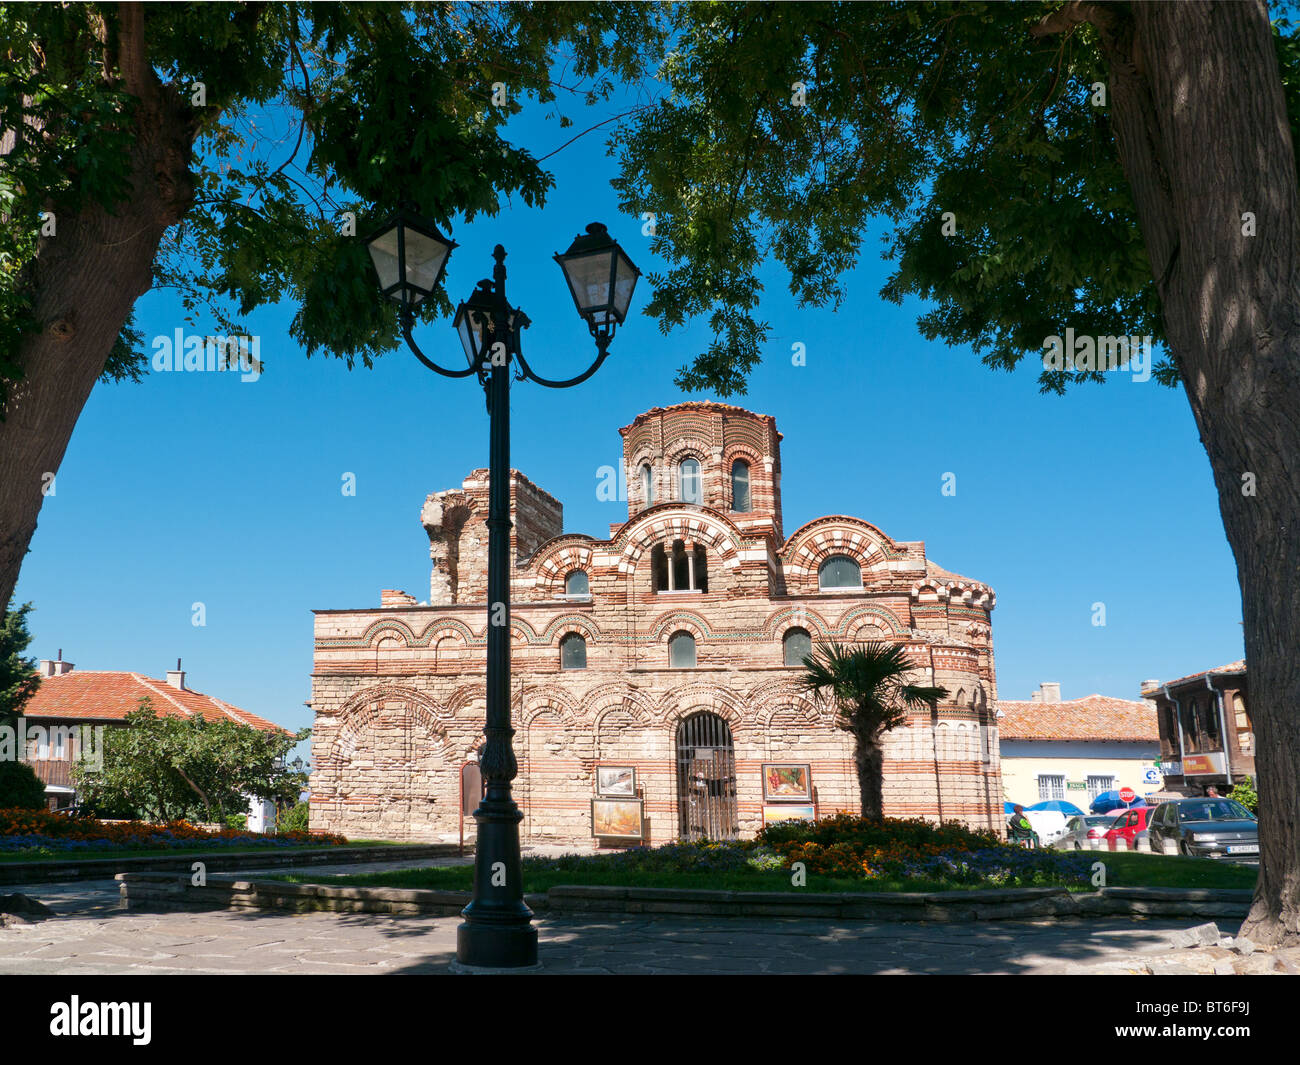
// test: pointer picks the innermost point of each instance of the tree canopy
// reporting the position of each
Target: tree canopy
(384, 103)
(165, 768)
(18, 677)
(792, 132)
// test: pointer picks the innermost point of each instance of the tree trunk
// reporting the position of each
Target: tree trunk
(870, 760)
(85, 280)
(1201, 125)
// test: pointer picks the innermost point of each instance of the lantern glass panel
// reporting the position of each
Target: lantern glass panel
(383, 253)
(589, 279)
(424, 259)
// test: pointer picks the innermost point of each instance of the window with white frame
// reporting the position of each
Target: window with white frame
(1051, 786)
(1098, 784)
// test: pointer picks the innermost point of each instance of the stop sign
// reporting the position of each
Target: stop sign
(1127, 795)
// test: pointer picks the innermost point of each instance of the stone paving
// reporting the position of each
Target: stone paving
(90, 935)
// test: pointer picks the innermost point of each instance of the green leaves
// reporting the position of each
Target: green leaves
(301, 114)
(910, 110)
(187, 767)
(18, 677)
(867, 685)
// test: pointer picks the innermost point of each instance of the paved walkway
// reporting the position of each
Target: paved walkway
(90, 935)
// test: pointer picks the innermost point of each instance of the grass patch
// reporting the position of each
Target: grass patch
(461, 878)
(1122, 870)
(49, 854)
(1167, 870)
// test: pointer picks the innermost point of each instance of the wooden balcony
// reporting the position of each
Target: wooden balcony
(53, 771)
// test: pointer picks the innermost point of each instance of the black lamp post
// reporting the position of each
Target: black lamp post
(410, 256)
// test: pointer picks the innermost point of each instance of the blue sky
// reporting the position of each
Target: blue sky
(197, 487)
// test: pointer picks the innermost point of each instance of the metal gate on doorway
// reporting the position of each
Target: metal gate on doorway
(706, 779)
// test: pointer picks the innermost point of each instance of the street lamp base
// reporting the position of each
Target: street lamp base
(483, 947)
(484, 970)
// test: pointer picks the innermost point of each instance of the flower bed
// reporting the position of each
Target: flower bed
(40, 831)
(849, 847)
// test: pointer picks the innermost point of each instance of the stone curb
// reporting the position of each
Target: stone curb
(162, 891)
(61, 869)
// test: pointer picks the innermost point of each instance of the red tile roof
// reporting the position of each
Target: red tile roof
(1238, 666)
(1094, 717)
(92, 695)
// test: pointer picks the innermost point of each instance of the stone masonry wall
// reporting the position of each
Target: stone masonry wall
(398, 691)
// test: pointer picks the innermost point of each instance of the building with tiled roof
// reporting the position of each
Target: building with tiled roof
(1207, 738)
(1075, 749)
(68, 698)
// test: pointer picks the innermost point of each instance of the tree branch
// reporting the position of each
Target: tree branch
(1069, 16)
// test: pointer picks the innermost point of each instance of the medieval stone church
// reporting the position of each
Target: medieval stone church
(654, 673)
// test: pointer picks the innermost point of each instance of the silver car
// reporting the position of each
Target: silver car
(1079, 830)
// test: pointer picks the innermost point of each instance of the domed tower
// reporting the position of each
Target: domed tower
(710, 454)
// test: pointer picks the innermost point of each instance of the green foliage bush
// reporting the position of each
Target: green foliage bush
(1246, 794)
(20, 787)
(863, 832)
(173, 768)
(293, 819)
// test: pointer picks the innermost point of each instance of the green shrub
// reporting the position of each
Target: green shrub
(293, 818)
(864, 832)
(1246, 794)
(20, 787)
(237, 821)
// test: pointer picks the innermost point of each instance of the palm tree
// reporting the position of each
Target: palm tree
(868, 687)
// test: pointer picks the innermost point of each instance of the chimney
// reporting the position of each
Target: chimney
(1036, 697)
(176, 677)
(1051, 691)
(56, 668)
(1150, 686)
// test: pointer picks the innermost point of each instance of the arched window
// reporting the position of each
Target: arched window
(740, 486)
(839, 571)
(681, 650)
(647, 485)
(796, 646)
(576, 583)
(689, 478)
(674, 568)
(573, 651)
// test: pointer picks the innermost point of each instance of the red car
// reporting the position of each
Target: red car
(1128, 824)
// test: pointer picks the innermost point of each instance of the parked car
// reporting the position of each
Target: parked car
(1128, 825)
(1079, 830)
(1206, 828)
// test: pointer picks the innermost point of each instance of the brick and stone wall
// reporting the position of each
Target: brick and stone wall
(398, 692)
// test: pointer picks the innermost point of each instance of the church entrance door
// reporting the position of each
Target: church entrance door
(706, 778)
